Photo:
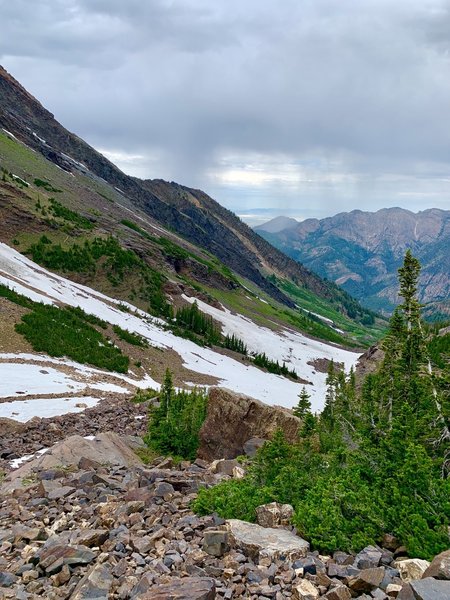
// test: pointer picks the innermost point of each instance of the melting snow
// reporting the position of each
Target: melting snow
(24, 410)
(287, 345)
(18, 461)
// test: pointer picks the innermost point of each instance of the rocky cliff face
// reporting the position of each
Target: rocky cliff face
(234, 419)
(362, 251)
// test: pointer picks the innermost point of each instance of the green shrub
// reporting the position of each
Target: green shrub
(131, 338)
(61, 332)
(174, 424)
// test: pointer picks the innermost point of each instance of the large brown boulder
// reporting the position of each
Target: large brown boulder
(233, 418)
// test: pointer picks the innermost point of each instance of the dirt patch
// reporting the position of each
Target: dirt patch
(10, 340)
(322, 365)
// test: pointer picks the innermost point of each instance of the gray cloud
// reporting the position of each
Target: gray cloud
(332, 103)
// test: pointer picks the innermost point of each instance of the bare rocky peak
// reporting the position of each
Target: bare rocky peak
(277, 224)
(397, 228)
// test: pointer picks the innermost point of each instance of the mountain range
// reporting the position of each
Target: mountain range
(361, 252)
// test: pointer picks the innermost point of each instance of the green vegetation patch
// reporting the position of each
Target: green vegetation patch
(175, 424)
(107, 255)
(375, 461)
(42, 183)
(131, 338)
(66, 332)
(62, 212)
(273, 366)
(60, 332)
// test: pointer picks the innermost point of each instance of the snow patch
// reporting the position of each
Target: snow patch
(241, 376)
(24, 410)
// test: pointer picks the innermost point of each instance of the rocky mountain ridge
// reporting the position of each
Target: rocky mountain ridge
(190, 213)
(361, 251)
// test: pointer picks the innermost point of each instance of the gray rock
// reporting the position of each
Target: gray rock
(256, 541)
(215, 542)
(7, 579)
(252, 446)
(368, 558)
(431, 589)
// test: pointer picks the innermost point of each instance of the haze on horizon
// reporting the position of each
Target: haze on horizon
(306, 109)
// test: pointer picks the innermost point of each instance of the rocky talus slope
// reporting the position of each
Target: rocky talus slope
(87, 520)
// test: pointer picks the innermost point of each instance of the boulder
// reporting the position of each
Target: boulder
(305, 590)
(232, 419)
(188, 588)
(55, 554)
(95, 585)
(274, 514)
(341, 592)
(106, 448)
(431, 589)
(411, 568)
(367, 580)
(257, 542)
(8, 426)
(440, 566)
(368, 558)
(252, 446)
(215, 542)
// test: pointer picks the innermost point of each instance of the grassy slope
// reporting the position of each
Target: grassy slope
(93, 198)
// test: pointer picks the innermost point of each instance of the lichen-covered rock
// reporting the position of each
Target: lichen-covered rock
(256, 541)
(411, 569)
(274, 514)
(305, 590)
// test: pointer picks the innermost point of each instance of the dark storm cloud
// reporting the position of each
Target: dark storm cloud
(353, 96)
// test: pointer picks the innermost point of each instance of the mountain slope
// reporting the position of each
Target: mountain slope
(201, 364)
(190, 213)
(277, 224)
(362, 251)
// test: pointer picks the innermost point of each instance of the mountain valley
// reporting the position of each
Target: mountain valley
(188, 413)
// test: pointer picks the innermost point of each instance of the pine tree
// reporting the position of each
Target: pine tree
(304, 405)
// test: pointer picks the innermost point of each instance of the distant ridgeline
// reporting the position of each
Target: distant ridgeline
(362, 251)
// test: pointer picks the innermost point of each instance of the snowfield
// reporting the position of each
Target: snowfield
(24, 410)
(27, 278)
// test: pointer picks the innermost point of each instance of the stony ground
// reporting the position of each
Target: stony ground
(114, 412)
(91, 530)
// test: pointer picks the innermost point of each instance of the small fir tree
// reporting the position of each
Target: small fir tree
(304, 405)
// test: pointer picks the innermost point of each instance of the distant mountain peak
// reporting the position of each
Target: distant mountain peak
(361, 251)
(277, 224)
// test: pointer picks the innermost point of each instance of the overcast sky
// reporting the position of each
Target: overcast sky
(297, 107)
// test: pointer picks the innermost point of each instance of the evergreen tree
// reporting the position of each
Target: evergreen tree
(304, 405)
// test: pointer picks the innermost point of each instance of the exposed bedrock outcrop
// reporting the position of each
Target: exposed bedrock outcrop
(232, 419)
